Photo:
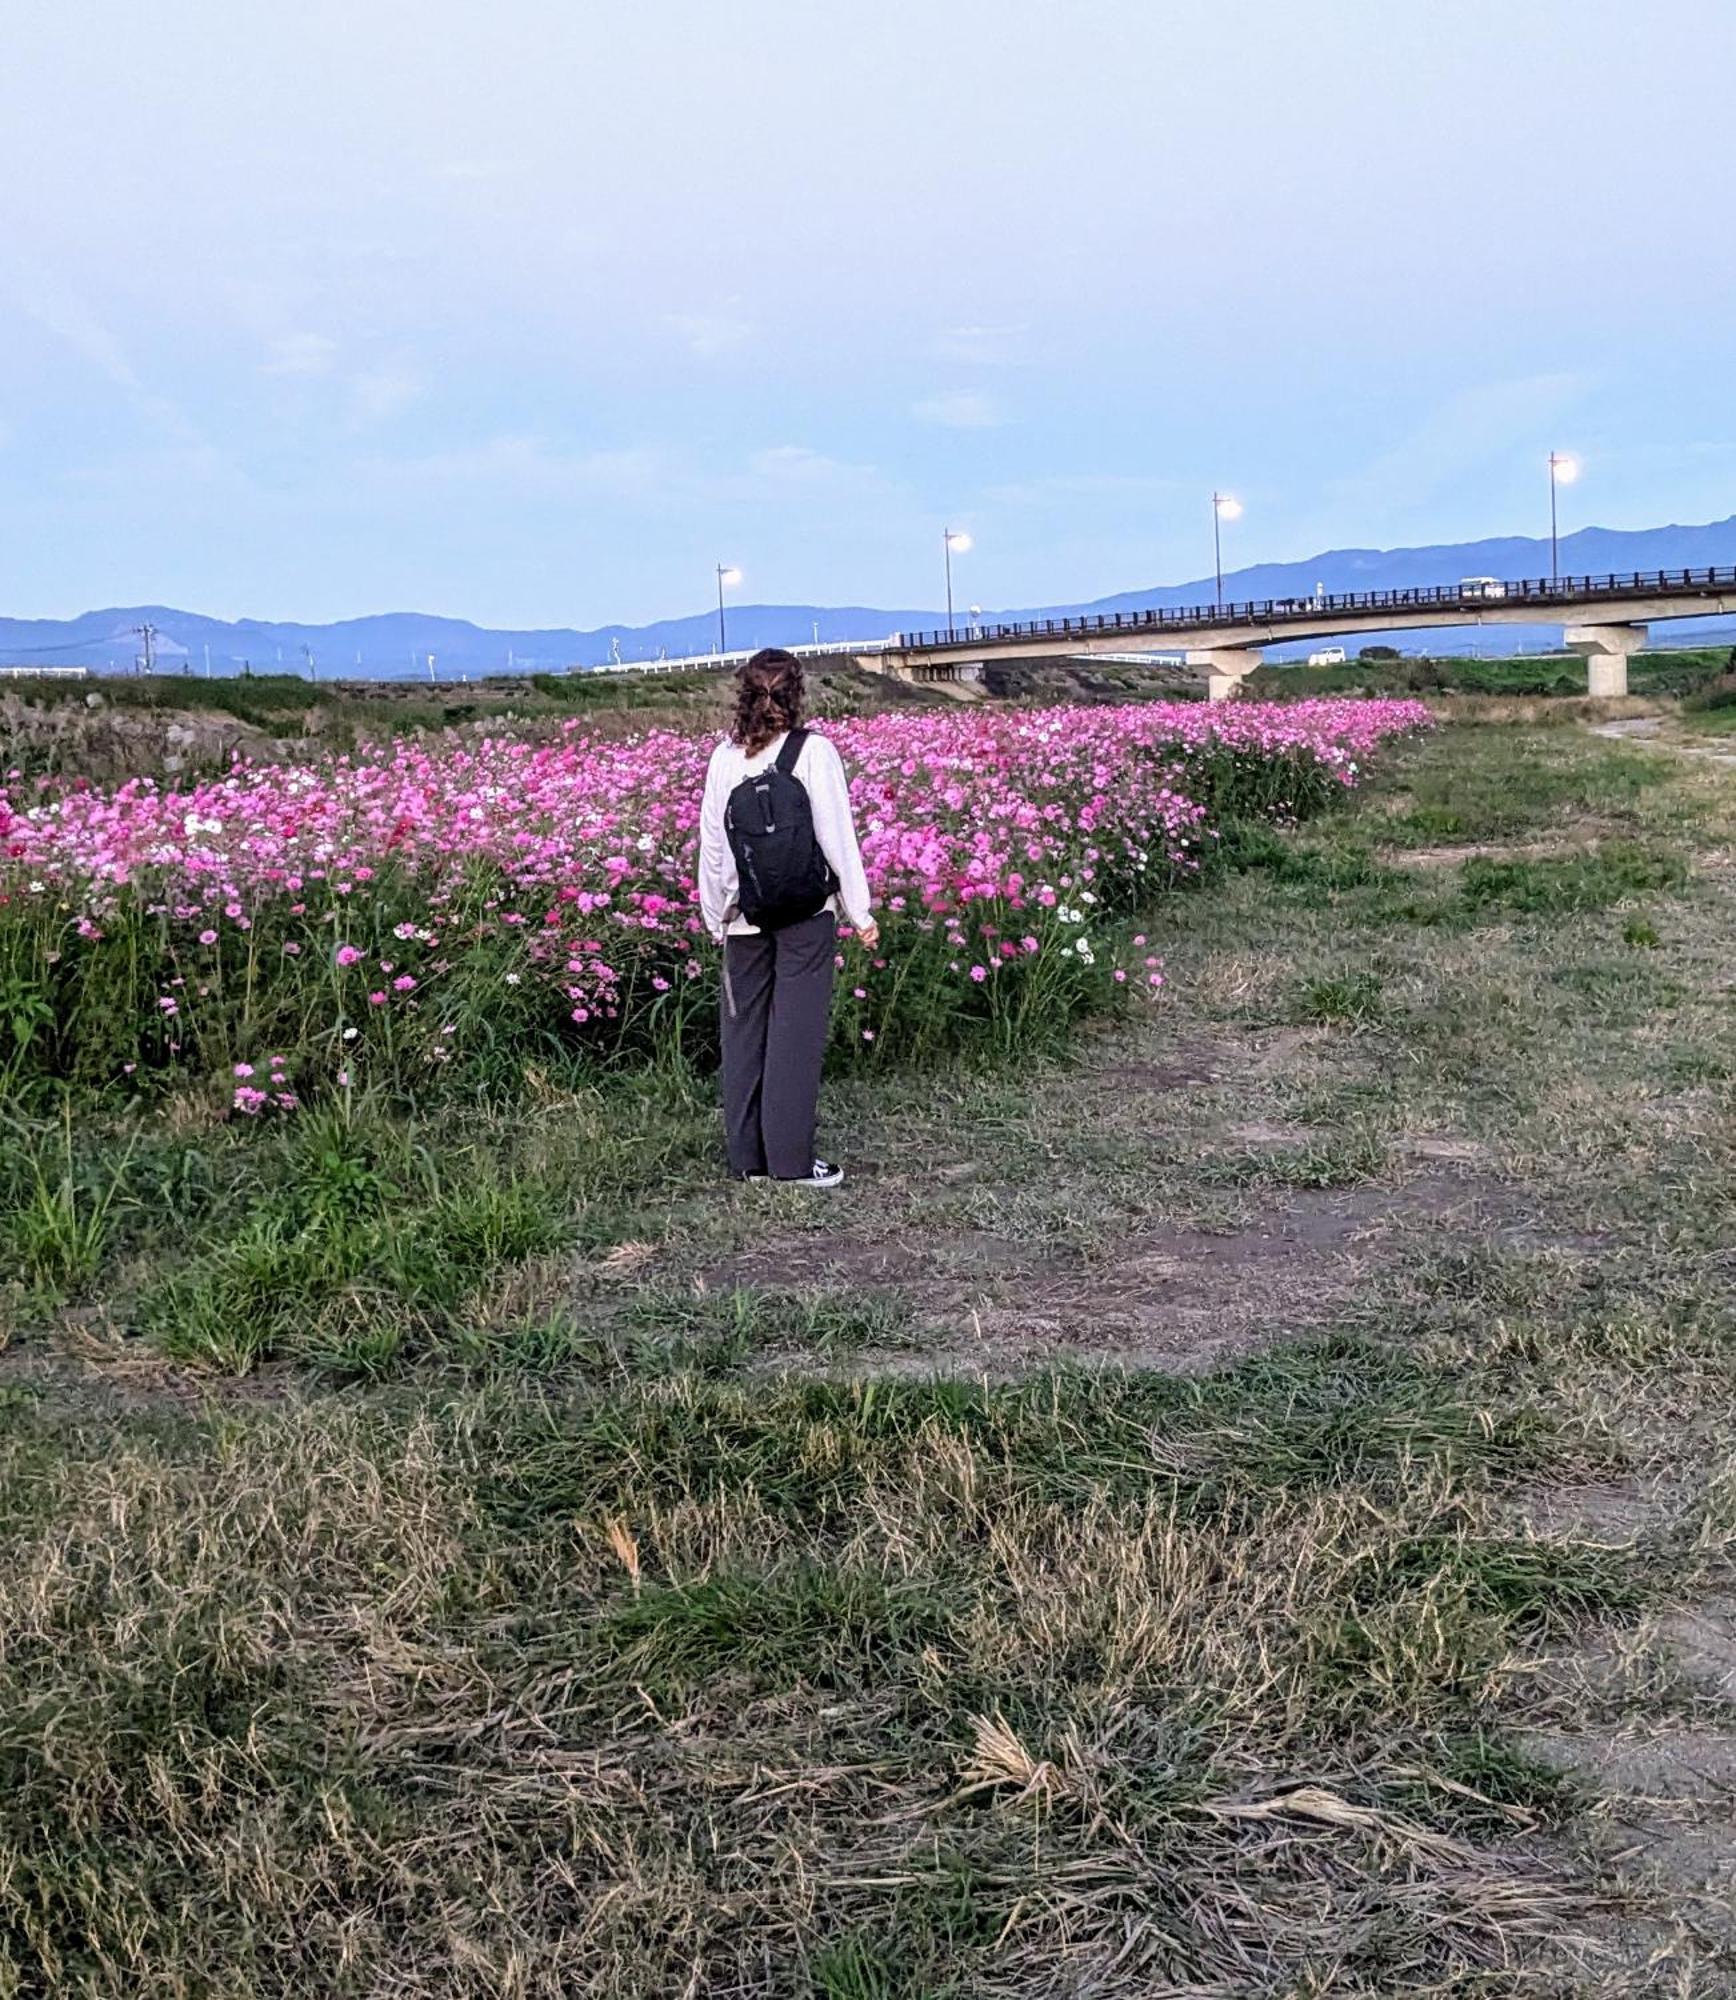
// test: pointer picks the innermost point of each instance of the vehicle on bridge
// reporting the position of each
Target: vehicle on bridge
(1482, 586)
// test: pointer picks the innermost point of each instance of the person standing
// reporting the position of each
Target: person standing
(779, 863)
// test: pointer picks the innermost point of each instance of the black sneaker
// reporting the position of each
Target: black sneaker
(825, 1175)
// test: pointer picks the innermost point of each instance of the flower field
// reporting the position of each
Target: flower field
(303, 929)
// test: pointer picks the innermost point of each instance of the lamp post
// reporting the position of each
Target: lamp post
(1563, 471)
(950, 539)
(1225, 507)
(727, 573)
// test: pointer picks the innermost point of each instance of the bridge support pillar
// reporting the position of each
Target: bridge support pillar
(1606, 650)
(1225, 667)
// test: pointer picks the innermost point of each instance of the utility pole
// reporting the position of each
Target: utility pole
(312, 670)
(148, 633)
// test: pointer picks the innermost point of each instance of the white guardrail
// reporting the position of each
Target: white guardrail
(45, 673)
(687, 663)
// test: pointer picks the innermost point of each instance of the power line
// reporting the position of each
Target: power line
(70, 646)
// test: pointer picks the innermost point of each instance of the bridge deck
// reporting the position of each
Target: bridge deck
(1639, 595)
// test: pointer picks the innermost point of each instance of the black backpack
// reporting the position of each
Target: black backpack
(784, 876)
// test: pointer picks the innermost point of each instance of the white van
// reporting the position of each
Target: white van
(1481, 586)
(1328, 656)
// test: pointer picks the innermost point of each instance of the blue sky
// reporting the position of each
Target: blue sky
(533, 312)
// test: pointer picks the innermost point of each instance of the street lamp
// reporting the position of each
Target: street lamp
(1563, 471)
(950, 539)
(1225, 507)
(727, 573)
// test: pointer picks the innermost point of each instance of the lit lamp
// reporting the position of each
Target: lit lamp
(950, 539)
(1225, 507)
(1563, 471)
(727, 574)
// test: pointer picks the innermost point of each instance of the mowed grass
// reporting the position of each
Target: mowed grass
(1119, 1548)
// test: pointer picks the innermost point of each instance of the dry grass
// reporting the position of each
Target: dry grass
(858, 1631)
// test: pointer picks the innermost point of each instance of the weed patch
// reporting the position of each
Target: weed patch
(1617, 871)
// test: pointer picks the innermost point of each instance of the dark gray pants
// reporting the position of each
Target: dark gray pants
(774, 1042)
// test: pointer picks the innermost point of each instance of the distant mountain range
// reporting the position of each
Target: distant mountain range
(401, 644)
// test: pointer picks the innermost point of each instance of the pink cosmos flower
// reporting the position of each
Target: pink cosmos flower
(974, 822)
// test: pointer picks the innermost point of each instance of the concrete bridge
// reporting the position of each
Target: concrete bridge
(1605, 620)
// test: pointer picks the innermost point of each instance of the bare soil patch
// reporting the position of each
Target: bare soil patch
(1669, 1807)
(1580, 838)
(1168, 1295)
(101, 1372)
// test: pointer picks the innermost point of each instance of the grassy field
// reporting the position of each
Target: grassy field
(1661, 675)
(1247, 1511)
(182, 726)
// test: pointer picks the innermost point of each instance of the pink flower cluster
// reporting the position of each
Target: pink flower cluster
(584, 850)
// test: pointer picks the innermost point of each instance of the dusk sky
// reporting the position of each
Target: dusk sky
(531, 313)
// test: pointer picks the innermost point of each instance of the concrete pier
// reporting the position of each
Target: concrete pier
(1606, 650)
(1225, 667)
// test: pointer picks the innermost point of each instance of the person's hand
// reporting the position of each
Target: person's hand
(868, 935)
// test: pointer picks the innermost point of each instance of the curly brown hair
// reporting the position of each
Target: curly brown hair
(768, 698)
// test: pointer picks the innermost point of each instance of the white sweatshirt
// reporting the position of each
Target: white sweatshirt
(821, 770)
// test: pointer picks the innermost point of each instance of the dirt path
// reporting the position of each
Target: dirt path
(1649, 731)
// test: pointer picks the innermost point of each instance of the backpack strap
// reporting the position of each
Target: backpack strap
(786, 757)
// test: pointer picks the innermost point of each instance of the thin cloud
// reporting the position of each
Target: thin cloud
(1472, 429)
(475, 170)
(64, 313)
(299, 354)
(382, 393)
(981, 346)
(648, 477)
(791, 463)
(1084, 486)
(707, 335)
(961, 410)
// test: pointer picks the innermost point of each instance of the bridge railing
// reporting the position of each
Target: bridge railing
(1473, 595)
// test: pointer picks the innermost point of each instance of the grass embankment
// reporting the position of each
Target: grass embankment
(182, 727)
(1670, 674)
(606, 1594)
